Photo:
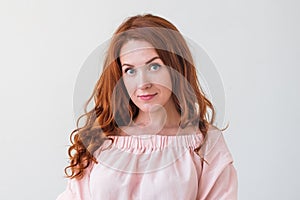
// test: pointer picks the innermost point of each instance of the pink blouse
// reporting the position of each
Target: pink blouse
(158, 167)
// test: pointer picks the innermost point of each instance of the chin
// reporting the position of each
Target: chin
(151, 107)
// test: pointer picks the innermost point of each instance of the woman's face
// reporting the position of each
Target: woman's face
(145, 76)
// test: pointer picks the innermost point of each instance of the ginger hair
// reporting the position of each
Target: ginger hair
(110, 112)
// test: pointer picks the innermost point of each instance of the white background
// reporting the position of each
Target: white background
(254, 44)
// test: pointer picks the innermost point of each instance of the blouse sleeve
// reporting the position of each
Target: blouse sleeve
(77, 189)
(69, 192)
(218, 178)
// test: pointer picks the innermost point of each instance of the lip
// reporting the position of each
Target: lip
(146, 97)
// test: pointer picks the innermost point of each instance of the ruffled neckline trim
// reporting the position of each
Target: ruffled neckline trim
(154, 142)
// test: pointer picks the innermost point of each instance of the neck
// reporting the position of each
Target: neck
(157, 119)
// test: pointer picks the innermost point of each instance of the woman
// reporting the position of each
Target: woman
(148, 136)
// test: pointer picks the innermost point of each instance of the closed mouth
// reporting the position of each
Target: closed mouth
(147, 95)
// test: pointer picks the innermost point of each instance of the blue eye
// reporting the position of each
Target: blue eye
(154, 66)
(130, 71)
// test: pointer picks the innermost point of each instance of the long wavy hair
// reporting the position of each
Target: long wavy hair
(111, 111)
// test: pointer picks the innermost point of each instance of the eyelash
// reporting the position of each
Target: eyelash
(149, 65)
(155, 64)
(127, 69)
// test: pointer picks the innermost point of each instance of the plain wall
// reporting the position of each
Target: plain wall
(255, 46)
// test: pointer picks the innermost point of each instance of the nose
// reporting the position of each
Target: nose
(143, 80)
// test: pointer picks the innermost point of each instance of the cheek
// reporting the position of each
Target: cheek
(130, 86)
(166, 92)
(164, 80)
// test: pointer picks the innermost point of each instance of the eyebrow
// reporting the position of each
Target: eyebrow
(149, 61)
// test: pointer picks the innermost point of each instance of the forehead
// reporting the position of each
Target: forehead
(136, 52)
